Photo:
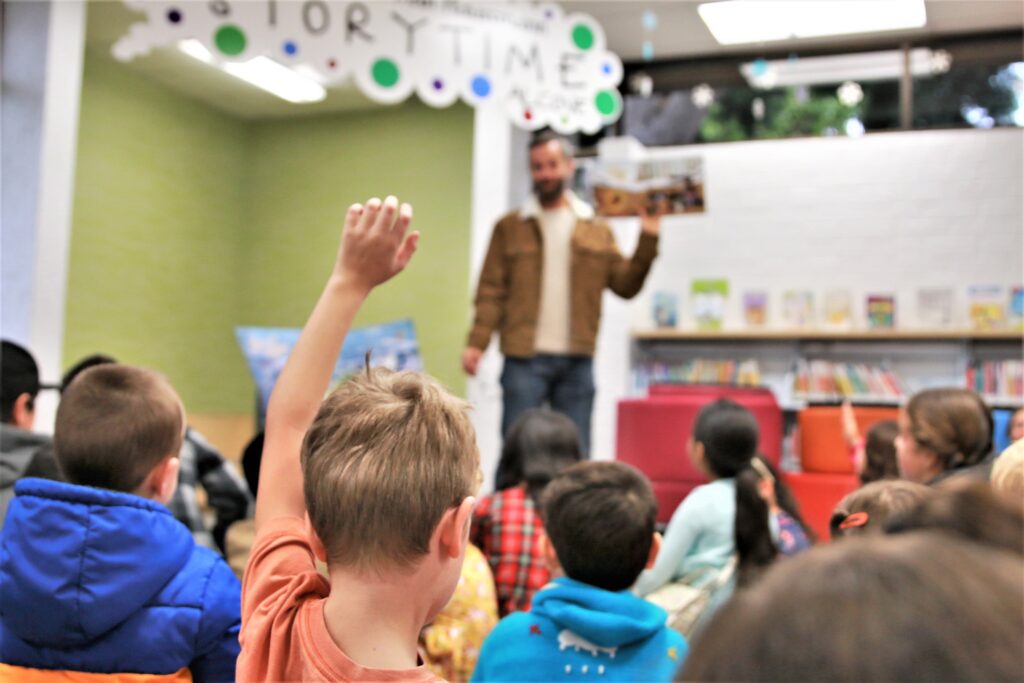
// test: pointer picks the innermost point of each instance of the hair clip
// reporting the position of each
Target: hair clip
(857, 519)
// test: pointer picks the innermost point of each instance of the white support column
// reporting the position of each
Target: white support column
(492, 149)
(55, 198)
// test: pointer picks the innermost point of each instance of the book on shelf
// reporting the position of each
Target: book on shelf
(838, 315)
(709, 296)
(881, 311)
(746, 373)
(755, 308)
(935, 307)
(798, 308)
(827, 382)
(997, 380)
(986, 307)
(665, 309)
(1017, 307)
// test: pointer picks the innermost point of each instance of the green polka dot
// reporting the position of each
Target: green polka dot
(582, 36)
(230, 40)
(385, 73)
(606, 102)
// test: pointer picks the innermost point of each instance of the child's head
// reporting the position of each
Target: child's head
(971, 510)
(1008, 471)
(942, 429)
(81, 366)
(539, 445)
(880, 452)
(19, 385)
(870, 507)
(120, 428)
(599, 517)
(387, 456)
(724, 445)
(724, 439)
(1015, 428)
(920, 607)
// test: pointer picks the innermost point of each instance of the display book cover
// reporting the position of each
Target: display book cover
(881, 311)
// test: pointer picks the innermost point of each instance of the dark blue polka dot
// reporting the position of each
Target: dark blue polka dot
(481, 86)
(290, 48)
(174, 16)
(438, 84)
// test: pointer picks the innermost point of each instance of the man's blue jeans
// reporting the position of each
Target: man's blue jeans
(563, 383)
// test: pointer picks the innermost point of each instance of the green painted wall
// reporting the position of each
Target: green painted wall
(304, 174)
(188, 222)
(155, 260)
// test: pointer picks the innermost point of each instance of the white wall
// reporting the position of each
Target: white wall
(889, 212)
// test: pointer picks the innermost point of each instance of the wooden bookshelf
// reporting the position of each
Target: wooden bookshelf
(754, 335)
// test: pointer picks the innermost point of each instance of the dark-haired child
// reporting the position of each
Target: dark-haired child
(506, 524)
(873, 456)
(869, 508)
(724, 517)
(599, 518)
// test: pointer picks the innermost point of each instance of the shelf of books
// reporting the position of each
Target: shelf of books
(1000, 383)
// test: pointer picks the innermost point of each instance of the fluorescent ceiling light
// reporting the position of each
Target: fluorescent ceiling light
(858, 67)
(758, 21)
(262, 72)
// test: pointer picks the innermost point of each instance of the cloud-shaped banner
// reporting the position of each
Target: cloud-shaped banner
(546, 68)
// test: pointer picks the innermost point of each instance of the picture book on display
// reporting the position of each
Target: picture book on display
(798, 308)
(709, 297)
(935, 307)
(755, 309)
(665, 309)
(986, 307)
(838, 315)
(1017, 307)
(881, 311)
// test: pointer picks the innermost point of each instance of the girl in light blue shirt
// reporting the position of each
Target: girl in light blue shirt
(725, 517)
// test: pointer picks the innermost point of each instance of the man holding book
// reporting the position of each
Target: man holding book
(540, 288)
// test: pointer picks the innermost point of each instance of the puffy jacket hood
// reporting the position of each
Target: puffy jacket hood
(604, 618)
(75, 562)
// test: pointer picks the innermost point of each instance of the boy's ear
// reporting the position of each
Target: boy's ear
(550, 556)
(655, 549)
(319, 550)
(162, 480)
(453, 529)
(23, 414)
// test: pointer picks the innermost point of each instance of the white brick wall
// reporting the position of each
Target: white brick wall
(890, 212)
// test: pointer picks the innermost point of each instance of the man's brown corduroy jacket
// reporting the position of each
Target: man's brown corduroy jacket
(508, 295)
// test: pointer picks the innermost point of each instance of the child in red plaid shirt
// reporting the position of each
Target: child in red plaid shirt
(506, 524)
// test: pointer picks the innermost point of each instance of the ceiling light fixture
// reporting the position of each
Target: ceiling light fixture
(859, 66)
(262, 72)
(757, 21)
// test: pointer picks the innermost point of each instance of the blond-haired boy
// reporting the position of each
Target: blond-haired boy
(377, 481)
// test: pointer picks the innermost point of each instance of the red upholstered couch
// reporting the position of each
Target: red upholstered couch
(653, 433)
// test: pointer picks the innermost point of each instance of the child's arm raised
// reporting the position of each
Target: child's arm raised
(374, 248)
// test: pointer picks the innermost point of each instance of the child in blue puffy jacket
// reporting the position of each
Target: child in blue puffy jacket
(96, 575)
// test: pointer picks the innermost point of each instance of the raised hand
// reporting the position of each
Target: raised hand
(375, 245)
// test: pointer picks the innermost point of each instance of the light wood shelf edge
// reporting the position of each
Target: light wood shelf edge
(826, 335)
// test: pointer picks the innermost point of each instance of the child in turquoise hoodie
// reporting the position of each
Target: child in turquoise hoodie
(599, 518)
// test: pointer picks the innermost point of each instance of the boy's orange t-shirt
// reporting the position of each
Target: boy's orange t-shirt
(284, 636)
